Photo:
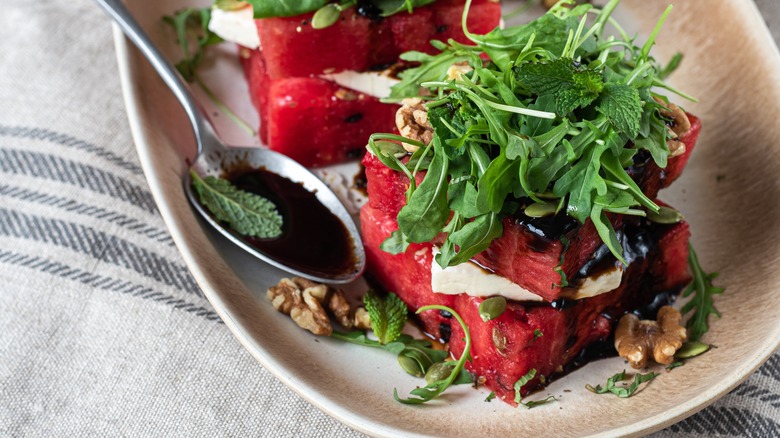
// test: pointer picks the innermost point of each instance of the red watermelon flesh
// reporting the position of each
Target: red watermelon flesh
(506, 348)
(522, 238)
(408, 275)
(314, 121)
(293, 48)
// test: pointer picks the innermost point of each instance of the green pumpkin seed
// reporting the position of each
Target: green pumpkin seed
(492, 308)
(230, 5)
(390, 148)
(411, 366)
(692, 349)
(665, 215)
(438, 371)
(326, 16)
(540, 210)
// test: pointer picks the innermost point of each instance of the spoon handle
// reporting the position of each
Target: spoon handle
(121, 16)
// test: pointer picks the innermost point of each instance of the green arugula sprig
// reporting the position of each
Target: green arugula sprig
(433, 389)
(550, 123)
(247, 213)
(622, 391)
(701, 290)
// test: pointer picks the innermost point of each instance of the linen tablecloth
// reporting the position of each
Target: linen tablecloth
(102, 329)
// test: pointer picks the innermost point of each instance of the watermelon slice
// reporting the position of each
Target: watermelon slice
(548, 338)
(292, 48)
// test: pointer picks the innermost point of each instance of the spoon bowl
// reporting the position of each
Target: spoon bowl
(214, 158)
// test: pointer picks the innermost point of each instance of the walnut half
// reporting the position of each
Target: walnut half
(306, 302)
(637, 341)
(412, 122)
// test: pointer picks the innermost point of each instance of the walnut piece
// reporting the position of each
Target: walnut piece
(305, 301)
(457, 70)
(412, 122)
(680, 125)
(637, 341)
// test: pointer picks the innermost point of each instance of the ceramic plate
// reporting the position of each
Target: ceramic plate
(730, 193)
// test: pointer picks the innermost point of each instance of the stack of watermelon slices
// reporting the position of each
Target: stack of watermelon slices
(557, 333)
(319, 122)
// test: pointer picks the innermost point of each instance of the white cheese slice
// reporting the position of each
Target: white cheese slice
(372, 83)
(471, 279)
(237, 26)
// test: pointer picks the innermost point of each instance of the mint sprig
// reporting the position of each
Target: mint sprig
(388, 315)
(554, 118)
(247, 213)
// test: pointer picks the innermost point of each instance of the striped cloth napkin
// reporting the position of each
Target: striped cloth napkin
(102, 329)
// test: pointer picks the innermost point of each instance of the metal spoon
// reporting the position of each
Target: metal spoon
(213, 156)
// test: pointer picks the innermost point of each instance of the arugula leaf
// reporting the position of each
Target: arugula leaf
(192, 23)
(701, 306)
(621, 390)
(426, 211)
(392, 7)
(396, 243)
(388, 316)
(247, 213)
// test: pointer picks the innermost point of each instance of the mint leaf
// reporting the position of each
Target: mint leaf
(247, 213)
(573, 87)
(622, 106)
(388, 316)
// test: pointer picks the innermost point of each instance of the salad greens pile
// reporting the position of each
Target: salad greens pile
(549, 124)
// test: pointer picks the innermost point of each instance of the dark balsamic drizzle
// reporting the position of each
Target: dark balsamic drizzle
(368, 9)
(313, 239)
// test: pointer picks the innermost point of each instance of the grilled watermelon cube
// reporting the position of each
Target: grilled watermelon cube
(293, 48)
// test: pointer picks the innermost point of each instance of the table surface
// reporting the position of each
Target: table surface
(102, 329)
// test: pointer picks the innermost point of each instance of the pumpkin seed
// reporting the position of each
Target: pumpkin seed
(390, 148)
(411, 366)
(692, 349)
(326, 16)
(230, 5)
(665, 215)
(492, 308)
(438, 371)
(540, 210)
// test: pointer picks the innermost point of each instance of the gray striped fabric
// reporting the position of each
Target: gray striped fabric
(102, 329)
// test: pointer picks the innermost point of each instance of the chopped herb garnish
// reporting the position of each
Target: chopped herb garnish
(551, 122)
(538, 334)
(521, 382)
(247, 213)
(490, 396)
(674, 365)
(701, 290)
(432, 390)
(622, 391)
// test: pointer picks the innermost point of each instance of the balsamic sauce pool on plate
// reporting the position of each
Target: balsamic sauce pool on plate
(313, 239)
